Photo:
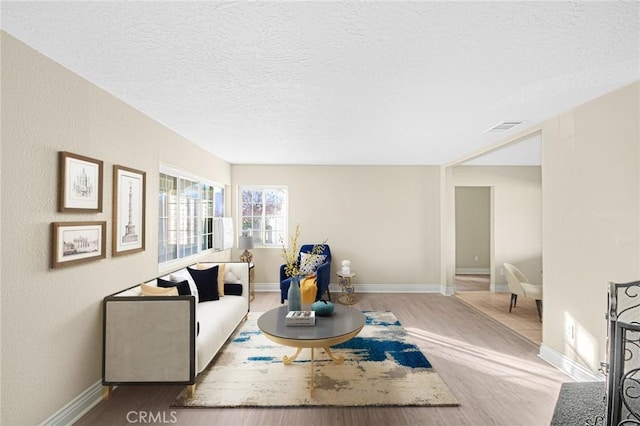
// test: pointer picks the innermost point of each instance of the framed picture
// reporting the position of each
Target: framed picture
(129, 192)
(80, 184)
(77, 242)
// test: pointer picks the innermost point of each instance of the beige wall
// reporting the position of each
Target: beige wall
(51, 319)
(591, 206)
(1, 233)
(472, 228)
(517, 215)
(384, 219)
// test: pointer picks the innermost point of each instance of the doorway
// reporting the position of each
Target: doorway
(473, 238)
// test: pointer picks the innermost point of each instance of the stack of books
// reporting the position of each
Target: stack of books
(300, 318)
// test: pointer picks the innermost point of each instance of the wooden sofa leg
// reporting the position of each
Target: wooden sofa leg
(107, 391)
(191, 391)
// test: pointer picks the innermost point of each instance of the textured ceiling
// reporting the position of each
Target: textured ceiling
(340, 82)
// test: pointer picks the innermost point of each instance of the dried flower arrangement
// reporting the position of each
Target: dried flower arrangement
(293, 267)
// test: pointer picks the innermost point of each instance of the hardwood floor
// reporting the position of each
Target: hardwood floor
(473, 282)
(495, 374)
(523, 319)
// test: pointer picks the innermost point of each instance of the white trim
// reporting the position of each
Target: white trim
(390, 288)
(571, 368)
(473, 271)
(447, 291)
(285, 241)
(77, 407)
(499, 288)
(266, 287)
(183, 174)
(368, 288)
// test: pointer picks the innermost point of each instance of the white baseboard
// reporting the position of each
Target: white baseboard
(447, 291)
(367, 288)
(473, 271)
(571, 368)
(499, 288)
(77, 408)
(390, 288)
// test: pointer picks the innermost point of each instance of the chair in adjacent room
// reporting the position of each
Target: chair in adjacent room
(519, 285)
(323, 273)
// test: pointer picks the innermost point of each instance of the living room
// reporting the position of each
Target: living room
(394, 222)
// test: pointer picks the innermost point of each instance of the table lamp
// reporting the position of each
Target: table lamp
(245, 243)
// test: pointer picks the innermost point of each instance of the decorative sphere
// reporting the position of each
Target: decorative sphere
(322, 308)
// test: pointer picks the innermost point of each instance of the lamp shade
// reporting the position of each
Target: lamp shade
(245, 243)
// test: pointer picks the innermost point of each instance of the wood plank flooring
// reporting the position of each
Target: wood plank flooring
(523, 319)
(495, 374)
(473, 282)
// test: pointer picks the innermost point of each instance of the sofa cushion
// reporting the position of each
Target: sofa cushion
(182, 286)
(183, 275)
(149, 290)
(232, 274)
(221, 268)
(217, 322)
(233, 289)
(310, 262)
(207, 283)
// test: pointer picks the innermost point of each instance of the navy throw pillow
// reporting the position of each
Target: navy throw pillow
(206, 282)
(183, 286)
(233, 289)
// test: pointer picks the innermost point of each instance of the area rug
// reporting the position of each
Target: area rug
(382, 367)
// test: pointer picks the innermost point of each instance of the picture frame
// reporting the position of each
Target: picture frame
(80, 183)
(129, 210)
(77, 242)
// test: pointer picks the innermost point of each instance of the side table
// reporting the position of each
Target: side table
(348, 291)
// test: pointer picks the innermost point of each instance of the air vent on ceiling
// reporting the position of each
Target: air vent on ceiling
(505, 126)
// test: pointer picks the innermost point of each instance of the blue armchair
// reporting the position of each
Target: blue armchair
(323, 274)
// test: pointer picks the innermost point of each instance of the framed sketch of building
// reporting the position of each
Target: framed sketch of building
(80, 187)
(77, 242)
(129, 195)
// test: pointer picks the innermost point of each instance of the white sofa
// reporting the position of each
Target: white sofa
(169, 339)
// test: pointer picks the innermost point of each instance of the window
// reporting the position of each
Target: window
(186, 211)
(212, 205)
(263, 214)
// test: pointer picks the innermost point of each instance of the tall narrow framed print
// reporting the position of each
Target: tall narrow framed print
(129, 195)
(77, 242)
(80, 183)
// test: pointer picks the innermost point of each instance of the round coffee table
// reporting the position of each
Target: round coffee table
(344, 324)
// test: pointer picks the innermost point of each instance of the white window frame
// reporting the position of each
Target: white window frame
(190, 227)
(279, 236)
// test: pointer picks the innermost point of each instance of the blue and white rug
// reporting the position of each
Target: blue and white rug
(382, 367)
